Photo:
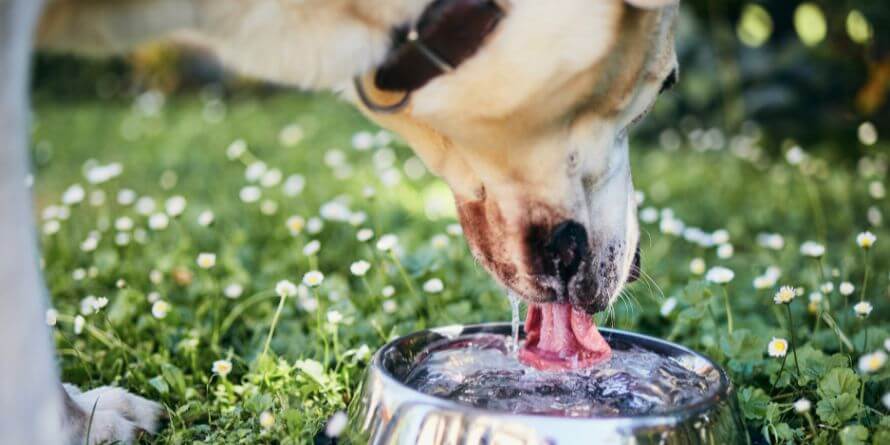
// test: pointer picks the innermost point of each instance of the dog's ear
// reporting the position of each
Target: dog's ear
(651, 4)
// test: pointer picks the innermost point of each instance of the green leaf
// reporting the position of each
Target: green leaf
(743, 345)
(785, 433)
(838, 409)
(854, 435)
(174, 377)
(838, 381)
(754, 402)
(160, 385)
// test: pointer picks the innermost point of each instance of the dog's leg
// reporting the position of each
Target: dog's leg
(30, 403)
(34, 409)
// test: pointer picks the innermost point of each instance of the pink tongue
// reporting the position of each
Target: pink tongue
(559, 337)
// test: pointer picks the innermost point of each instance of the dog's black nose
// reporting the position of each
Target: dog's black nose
(567, 247)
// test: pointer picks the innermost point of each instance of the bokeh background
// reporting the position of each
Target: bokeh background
(775, 138)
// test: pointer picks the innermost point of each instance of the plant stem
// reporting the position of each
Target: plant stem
(779, 376)
(728, 310)
(404, 275)
(274, 323)
(793, 339)
(865, 278)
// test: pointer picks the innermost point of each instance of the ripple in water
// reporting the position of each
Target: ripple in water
(480, 371)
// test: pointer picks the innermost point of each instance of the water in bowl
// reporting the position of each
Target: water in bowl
(482, 371)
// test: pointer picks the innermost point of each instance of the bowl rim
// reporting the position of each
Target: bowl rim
(722, 392)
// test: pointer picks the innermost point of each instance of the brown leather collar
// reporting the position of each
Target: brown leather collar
(446, 34)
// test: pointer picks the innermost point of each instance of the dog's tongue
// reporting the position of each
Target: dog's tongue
(559, 337)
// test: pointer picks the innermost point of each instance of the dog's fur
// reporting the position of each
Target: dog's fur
(529, 133)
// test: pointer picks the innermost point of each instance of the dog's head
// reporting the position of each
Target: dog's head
(530, 133)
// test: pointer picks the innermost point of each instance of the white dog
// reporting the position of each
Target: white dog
(521, 106)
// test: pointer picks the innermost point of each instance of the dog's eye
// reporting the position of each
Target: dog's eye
(669, 82)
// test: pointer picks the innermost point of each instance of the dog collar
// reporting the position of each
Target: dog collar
(447, 33)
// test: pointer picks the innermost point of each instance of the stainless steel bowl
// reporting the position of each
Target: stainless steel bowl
(387, 412)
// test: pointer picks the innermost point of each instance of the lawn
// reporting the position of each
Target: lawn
(167, 245)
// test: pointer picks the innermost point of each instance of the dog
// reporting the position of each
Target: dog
(521, 106)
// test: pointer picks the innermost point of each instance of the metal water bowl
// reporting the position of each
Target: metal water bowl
(387, 412)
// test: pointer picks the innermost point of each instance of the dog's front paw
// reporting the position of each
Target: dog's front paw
(118, 417)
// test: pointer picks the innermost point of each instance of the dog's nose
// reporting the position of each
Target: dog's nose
(567, 247)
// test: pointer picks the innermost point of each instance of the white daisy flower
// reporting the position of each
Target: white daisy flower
(454, 230)
(126, 197)
(671, 226)
(285, 288)
(311, 248)
(78, 274)
(236, 149)
(295, 224)
(387, 242)
(334, 317)
(153, 297)
(308, 304)
(293, 185)
(772, 241)
(313, 278)
(802, 406)
(362, 141)
(122, 239)
(812, 249)
(827, 287)
(667, 308)
(359, 268)
(73, 195)
(357, 218)
(51, 227)
(155, 276)
(123, 224)
(206, 218)
(866, 239)
(314, 226)
(778, 347)
(334, 157)
(255, 171)
(364, 234)
(250, 194)
(145, 206)
(271, 178)
(720, 236)
(175, 206)
(206, 260)
(291, 135)
(649, 215)
(697, 266)
(785, 295)
(877, 190)
(222, 368)
(867, 133)
(52, 317)
(433, 286)
(885, 399)
(439, 241)
(160, 309)
(390, 306)
(846, 288)
(269, 207)
(335, 211)
(79, 323)
(862, 309)
(725, 251)
(873, 362)
(158, 221)
(720, 275)
(336, 425)
(233, 291)
(267, 420)
(388, 291)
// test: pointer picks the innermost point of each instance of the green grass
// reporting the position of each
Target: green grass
(171, 359)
